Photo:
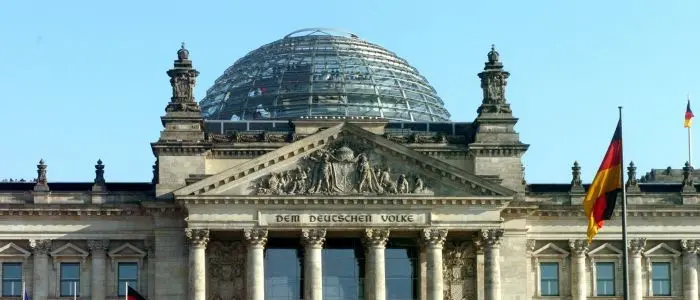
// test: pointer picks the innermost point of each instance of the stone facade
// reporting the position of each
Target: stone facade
(218, 200)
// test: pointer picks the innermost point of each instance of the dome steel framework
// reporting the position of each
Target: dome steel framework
(322, 72)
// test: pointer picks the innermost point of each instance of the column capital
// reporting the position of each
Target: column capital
(434, 237)
(98, 246)
(636, 246)
(313, 237)
(578, 247)
(492, 237)
(690, 246)
(255, 236)
(375, 237)
(198, 238)
(41, 247)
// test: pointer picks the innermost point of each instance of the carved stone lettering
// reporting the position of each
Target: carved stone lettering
(340, 219)
(340, 171)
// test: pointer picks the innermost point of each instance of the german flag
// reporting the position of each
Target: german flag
(688, 116)
(599, 203)
(132, 294)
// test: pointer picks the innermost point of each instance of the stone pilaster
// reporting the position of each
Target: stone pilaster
(256, 238)
(492, 269)
(690, 268)
(313, 240)
(98, 251)
(41, 249)
(578, 262)
(375, 273)
(636, 247)
(433, 239)
(198, 239)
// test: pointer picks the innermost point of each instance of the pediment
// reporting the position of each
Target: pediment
(605, 250)
(69, 250)
(127, 250)
(12, 250)
(550, 250)
(344, 160)
(662, 250)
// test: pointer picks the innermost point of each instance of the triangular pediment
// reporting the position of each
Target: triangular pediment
(662, 250)
(344, 160)
(69, 250)
(550, 250)
(605, 250)
(127, 250)
(12, 250)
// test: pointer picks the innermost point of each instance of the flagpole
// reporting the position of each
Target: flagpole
(75, 290)
(690, 140)
(625, 273)
(126, 290)
(24, 291)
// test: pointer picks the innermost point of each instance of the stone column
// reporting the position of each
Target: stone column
(313, 240)
(492, 268)
(256, 239)
(198, 239)
(578, 268)
(375, 275)
(690, 268)
(636, 247)
(98, 249)
(433, 239)
(41, 249)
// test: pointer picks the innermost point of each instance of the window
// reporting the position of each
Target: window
(11, 279)
(605, 278)
(661, 278)
(401, 261)
(345, 281)
(127, 273)
(283, 270)
(70, 279)
(549, 279)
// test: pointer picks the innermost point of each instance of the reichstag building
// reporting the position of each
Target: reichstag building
(322, 166)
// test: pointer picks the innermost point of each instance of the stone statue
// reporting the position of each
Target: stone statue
(495, 89)
(402, 184)
(182, 89)
(183, 53)
(324, 179)
(418, 186)
(366, 176)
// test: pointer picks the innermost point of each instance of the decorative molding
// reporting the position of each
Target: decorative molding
(492, 237)
(198, 238)
(598, 251)
(12, 251)
(690, 247)
(98, 246)
(127, 250)
(657, 250)
(40, 247)
(313, 237)
(63, 210)
(375, 237)
(578, 247)
(255, 237)
(69, 250)
(226, 270)
(636, 246)
(403, 200)
(434, 237)
(560, 253)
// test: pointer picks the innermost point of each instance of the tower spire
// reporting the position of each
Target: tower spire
(493, 83)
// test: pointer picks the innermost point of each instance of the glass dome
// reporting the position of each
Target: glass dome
(322, 72)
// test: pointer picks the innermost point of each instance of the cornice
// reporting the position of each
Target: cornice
(133, 210)
(180, 148)
(524, 210)
(402, 200)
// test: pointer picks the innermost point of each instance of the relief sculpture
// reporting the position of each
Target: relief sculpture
(340, 171)
(459, 271)
(226, 268)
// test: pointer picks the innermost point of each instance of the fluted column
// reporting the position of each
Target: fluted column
(578, 268)
(256, 239)
(375, 275)
(492, 268)
(98, 250)
(313, 240)
(198, 239)
(41, 249)
(690, 268)
(636, 247)
(433, 239)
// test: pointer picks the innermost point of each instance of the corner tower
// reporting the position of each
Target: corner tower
(497, 148)
(181, 143)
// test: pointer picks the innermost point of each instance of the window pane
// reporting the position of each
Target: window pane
(70, 279)
(345, 280)
(127, 274)
(661, 278)
(283, 274)
(11, 279)
(400, 259)
(605, 278)
(549, 279)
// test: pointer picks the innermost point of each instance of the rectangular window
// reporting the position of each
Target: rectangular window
(549, 279)
(11, 279)
(661, 278)
(605, 278)
(127, 273)
(70, 279)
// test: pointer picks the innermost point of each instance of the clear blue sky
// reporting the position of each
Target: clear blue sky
(86, 79)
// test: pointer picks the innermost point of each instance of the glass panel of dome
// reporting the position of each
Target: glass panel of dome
(234, 126)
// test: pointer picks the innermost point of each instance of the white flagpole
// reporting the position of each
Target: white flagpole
(75, 290)
(690, 140)
(24, 291)
(126, 290)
